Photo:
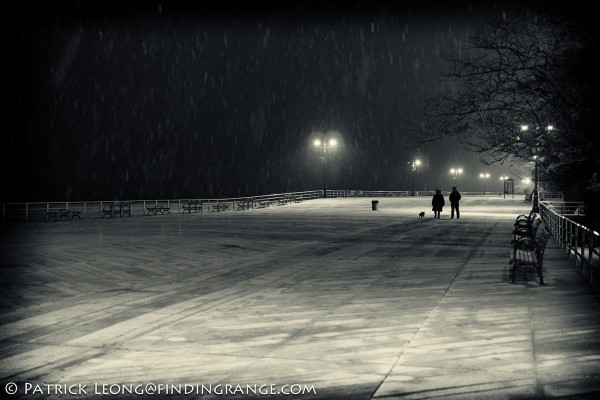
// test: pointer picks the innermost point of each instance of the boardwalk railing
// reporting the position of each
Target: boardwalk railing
(548, 195)
(367, 193)
(396, 193)
(578, 241)
(38, 212)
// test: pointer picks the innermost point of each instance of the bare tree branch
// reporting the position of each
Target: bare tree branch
(522, 70)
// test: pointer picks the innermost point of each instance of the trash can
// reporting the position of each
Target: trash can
(374, 205)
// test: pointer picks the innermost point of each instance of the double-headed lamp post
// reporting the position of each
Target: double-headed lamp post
(456, 172)
(413, 168)
(536, 204)
(324, 144)
(484, 176)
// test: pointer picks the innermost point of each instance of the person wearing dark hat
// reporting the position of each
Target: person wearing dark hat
(454, 199)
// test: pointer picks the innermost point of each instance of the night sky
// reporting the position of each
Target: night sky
(172, 100)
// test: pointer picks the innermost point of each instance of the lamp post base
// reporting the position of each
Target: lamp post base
(536, 203)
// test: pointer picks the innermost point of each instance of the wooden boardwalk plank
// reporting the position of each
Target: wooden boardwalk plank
(359, 304)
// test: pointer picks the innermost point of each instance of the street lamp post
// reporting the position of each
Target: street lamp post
(536, 159)
(503, 179)
(323, 144)
(484, 176)
(413, 169)
(536, 203)
(535, 208)
(456, 171)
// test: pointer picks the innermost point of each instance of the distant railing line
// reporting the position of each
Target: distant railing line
(37, 211)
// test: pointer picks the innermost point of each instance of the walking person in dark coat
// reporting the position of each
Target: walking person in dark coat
(454, 199)
(437, 203)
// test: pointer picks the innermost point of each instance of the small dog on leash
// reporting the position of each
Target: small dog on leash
(422, 214)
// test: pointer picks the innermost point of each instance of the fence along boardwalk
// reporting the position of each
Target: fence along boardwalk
(348, 300)
(39, 212)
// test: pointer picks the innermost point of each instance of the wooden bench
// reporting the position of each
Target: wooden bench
(245, 204)
(158, 209)
(282, 201)
(68, 214)
(124, 209)
(526, 226)
(264, 203)
(525, 229)
(192, 205)
(528, 252)
(163, 210)
(221, 207)
(108, 209)
(52, 215)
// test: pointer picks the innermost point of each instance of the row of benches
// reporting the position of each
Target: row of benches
(122, 209)
(158, 210)
(116, 209)
(245, 204)
(58, 215)
(192, 205)
(530, 236)
(197, 205)
(242, 204)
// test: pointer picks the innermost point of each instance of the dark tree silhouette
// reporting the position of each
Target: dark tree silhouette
(525, 87)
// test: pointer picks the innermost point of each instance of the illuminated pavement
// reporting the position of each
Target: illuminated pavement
(357, 304)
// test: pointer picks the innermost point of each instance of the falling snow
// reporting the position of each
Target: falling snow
(172, 101)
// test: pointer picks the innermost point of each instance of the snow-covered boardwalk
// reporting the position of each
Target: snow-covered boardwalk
(325, 294)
